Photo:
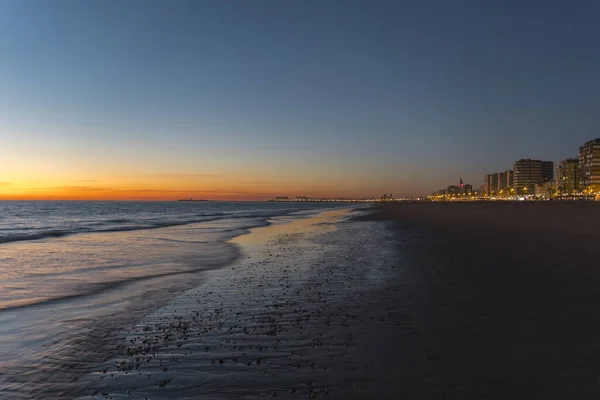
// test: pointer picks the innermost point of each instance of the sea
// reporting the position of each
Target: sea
(73, 274)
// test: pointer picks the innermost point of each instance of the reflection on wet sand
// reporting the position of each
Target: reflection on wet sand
(295, 316)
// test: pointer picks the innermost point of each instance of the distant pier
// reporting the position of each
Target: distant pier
(343, 200)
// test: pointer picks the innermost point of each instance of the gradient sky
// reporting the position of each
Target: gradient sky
(251, 99)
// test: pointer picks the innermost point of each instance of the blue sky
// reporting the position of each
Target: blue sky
(356, 97)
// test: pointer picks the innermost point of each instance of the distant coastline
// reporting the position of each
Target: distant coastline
(190, 199)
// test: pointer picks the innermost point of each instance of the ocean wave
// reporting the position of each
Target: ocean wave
(34, 236)
(123, 224)
(100, 287)
(117, 221)
(21, 237)
(143, 225)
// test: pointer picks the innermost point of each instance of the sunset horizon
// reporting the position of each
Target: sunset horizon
(168, 192)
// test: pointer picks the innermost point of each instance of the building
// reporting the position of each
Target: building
(528, 173)
(485, 188)
(589, 166)
(482, 190)
(510, 177)
(491, 184)
(505, 181)
(494, 186)
(547, 171)
(546, 190)
(567, 176)
(502, 181)
(453, 191)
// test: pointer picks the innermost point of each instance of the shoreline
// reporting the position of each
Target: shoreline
(417, 301)
(88, 327)
(294, 318)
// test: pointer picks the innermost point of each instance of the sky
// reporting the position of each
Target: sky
(251, 99)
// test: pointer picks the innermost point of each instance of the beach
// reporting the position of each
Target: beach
(350, 200)
(307, 312)
(75, 276)
(302, 305)
(411, 300)
(508, 300)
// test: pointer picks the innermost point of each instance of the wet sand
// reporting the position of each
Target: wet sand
(310, 311)
(414, 301)
(508, 305)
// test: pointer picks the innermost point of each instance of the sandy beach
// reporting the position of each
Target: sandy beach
(402, 301)
(307, 312)
(508, 303)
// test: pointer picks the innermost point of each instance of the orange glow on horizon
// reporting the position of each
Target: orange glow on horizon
(170, 192)
(31, 180)
(142, 175)
(157, 195)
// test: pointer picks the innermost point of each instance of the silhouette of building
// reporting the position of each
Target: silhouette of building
(547, 171)
(491, 184)
(505, 180)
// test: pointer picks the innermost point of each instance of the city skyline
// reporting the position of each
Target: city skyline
(150, 100)
(572, 177)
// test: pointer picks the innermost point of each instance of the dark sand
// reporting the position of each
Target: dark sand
(451, 301)
(505, 300)
(308, 312)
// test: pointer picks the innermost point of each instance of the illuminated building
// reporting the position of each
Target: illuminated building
(528, 173)
(589, 166)
(567, 176)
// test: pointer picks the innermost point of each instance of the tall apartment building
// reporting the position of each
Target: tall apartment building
(589, 166)
(494, 184)
(567, 176)
(502, 181)
(491, 184)
(547, 171)
(487, 182)
(505, 180)
(527, 173)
